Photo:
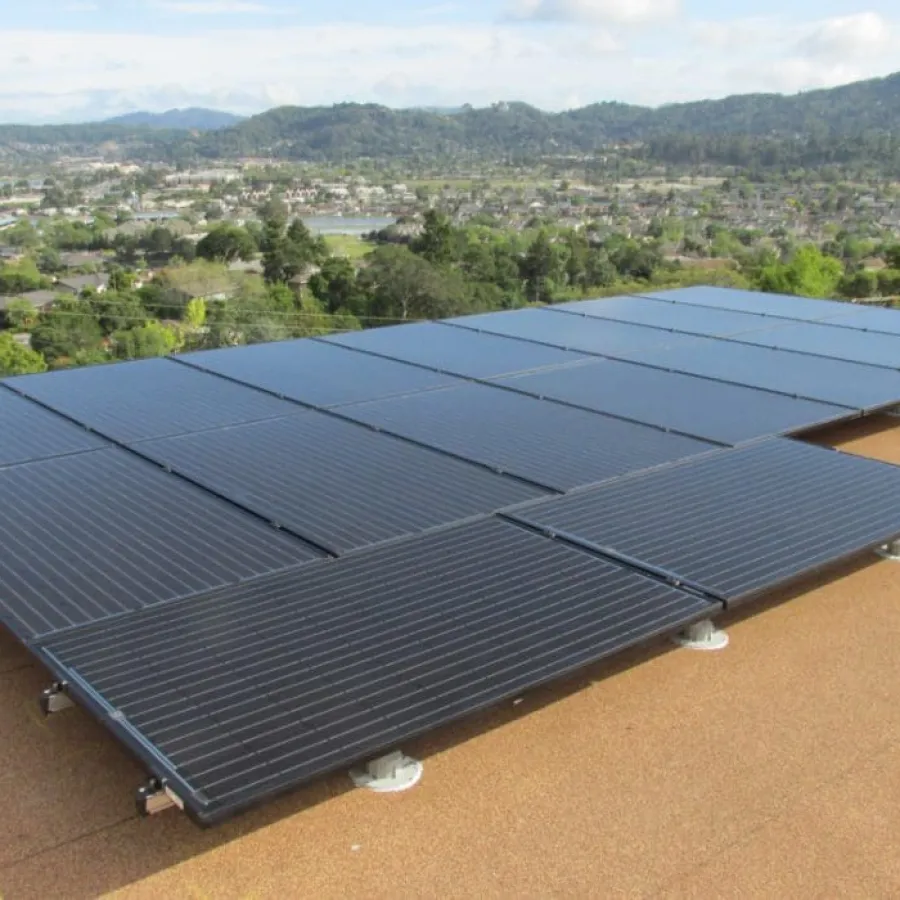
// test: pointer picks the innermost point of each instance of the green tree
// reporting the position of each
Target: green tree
(892, 256)
(335, 285)
(539, 269)
(16, 359)
(195, 312)
(438, 241)
(226, 243)
(809, 273)
(152, 339)
(17, 278)
(20, 315)
(67, 330)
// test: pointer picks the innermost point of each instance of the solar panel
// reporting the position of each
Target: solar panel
(96, 534)
(28, 432)
(785, 306)
(850, 384)
(699, 407)
(336, 483)
(149, 398)
(678, 317)
(452, 350)
(869, 347)
(738, 521)
(316, 373)
(250, 691)
(553, 445)
(582, 334)
(869, 319)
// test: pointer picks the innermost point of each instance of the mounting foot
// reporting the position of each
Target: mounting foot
(156, 797)
(388, 774)
(55, 699)
(702, 636)
(890, 551)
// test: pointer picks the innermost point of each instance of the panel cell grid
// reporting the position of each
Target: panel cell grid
(702, 408)
(29, 432)
(548, 443)
(149, 398)
(96, 534)
(252, 690)
(738, 521)
(338, 484)
(460, 352)
(316, 373)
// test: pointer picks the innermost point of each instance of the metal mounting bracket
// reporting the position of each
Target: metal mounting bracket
(702, 636)
(388, 774)
(55, 698)
(890, 551)
(155, 797)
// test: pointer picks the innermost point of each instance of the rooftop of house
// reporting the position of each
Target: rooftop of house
(771, 769)
(79, 282)
(36, 298)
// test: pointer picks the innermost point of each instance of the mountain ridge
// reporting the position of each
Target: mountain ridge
(194, 118)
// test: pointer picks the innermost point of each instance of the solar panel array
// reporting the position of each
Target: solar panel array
(257, 564)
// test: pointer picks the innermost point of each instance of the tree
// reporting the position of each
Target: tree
(892, 256)
(539, 266)
(20, 315)
(152, 339)
(17, 278)
(195, 312)
(336, 286)
(402, 285)
(116, 311)
(16, 359)
(437, 243)
(67, 330)
(226, 243)
(809, 273)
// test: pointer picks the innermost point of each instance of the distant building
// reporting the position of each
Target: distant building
(77, 283)
(40, 300)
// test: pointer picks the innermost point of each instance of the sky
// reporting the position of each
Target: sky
(80, 60)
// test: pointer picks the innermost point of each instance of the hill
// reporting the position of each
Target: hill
(192, 119)
(854, 123)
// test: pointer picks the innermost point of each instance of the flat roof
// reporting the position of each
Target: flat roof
(768, 769)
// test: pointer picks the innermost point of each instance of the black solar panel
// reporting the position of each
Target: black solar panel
(578, 333)
(28, 432)
(453, 350)
(97, 534)
(551, 444)
(869, 347)
(679, 317)
(316, 373)
(149, 398)
(785, 306)
(710, 410)
(336, 483)
(250, 691)
(868, 319)
(835, 381)
(738, 521)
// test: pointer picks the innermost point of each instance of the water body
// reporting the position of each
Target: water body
(347, 224)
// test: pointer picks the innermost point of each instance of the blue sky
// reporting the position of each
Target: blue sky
(69, 60)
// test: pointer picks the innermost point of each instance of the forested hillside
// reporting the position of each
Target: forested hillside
(854, 123)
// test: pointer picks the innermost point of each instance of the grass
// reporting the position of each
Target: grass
(349, 245)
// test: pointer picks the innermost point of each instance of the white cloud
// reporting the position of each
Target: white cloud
(48, 75)
(211, 7)
(848, 37)
(620, 12)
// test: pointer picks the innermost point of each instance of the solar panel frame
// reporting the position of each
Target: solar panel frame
(820, 339)
(867, 318)
(735, 523)
(315, 373)
(337, 484)
(458, 352)
(786, 306)
(550, 444)
(714, 411)
(579, 334)
(488, 610)
(835, 381)
(28, 432)
(133, 401)
(681, 318)
(93, 535)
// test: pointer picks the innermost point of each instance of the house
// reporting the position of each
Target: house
(77, 283)
(40, 300)
(76, 260)
(7, 222)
